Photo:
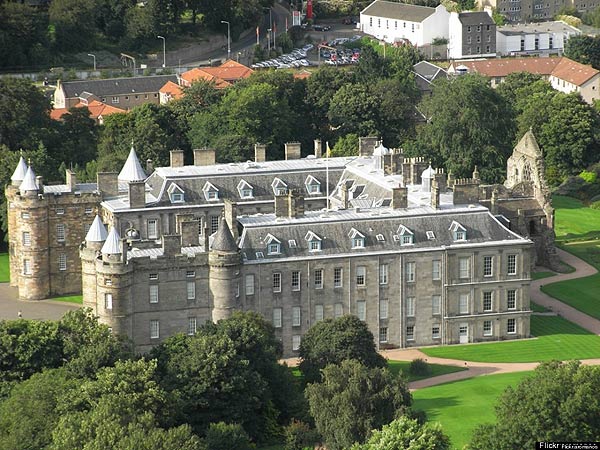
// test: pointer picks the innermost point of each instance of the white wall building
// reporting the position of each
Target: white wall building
(534, 38)
(472, 35)
(395, 22)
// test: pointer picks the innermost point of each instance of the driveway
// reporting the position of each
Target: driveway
(37, 309)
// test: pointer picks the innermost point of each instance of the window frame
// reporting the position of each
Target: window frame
(153, 294)
(411, 306)
(436, 305)
(490, 331)
(318, 278)
(276, 282)
(338, 277)
(512, 322)
(511, 264)
(513, 300)
(384, 309)
(361, 276)
(108, 301)
(154, 329)
(249, 287)
(277, 317)
(383, 274)
(295, 282)
(190, 288)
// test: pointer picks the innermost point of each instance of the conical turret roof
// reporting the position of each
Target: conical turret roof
(20, 171)
(132, 169)
(28, 183)
(223, 240)
(97, 232)
(112, 246)
(428, 173)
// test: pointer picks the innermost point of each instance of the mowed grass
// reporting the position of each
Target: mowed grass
(4, 268)
(461, 406)
(557, 338)
(541, 275)
(538, 308)
(78, 299)
(436, 370)
(573, 219)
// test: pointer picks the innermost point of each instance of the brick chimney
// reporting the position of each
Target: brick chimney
(318, 148)
(108, 184)
(399, 197)
(71, 180)
(260, 153)
(204, 157)
(292, 150)
(137, 194)
(176, 158)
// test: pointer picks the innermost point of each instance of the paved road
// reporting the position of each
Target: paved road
(38, 310)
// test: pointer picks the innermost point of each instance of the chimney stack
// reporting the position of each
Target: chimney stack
(435, 194)
(149, 166)
(260, 153)
(292, 150)
(318, 148)
(366, 145)
(137, 194)
(344, 195)
(108, 185)
(399, 197)
(71, 180)
(204, 157)
(189, 233)
(171, 244)
(231, 217)
(176, 158)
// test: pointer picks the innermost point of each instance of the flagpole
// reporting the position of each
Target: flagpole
(327, 171)
(257, 36)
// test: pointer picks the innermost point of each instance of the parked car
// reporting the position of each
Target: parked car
(321, 27)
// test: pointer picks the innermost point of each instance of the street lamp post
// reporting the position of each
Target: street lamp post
(164, 50)
(93, 56)
(228, 38)
(238, 56)
(269, 40)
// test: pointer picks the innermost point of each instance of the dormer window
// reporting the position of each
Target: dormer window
(313, 186)
(176, 194)
(430, 235)
(406, 236)
(358, 239)
(211, 193)
(459, 232)
(314, 242)
(279, 187)
(273, 245)
(245, 190)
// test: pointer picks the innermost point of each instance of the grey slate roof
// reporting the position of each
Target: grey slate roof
(116, 86)
(428, 71)
(556, 26)
(20, 170)
(482, 229)
(398, 11)
(475, 18)
(223, 240)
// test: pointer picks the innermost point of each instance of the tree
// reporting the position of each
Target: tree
(355, 109)
(353, 399)
(346, 146)
(566, 130)
(28, 415)
(409, 434)
(223, 436)
(73, 23)
(79, 137)
(119, 409)
(470, 124)
(584, 49)
(332, 341)
(557, 403)
(24, 114)
(515, 84)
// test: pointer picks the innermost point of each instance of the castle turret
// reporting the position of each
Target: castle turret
(89, 252)
(29, 184)
(224, 261)
(19, 173)
(132, 169)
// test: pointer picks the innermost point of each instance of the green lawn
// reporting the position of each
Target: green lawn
(557, 338)
(538, 308)
(540, 275)
(461, 406)
(4, 268)
(78, 299)
(573, 220)
(436, 369)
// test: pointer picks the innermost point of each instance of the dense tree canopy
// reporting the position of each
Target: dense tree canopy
(354, 399)
(557, 403)
(470, 124)
(584, 49)
(332, 341)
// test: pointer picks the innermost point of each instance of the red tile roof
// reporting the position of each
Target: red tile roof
(230, 71)
(563, 68)
(173, 90)
(95, 107)
(201, 74)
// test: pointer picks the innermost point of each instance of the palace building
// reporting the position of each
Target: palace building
(423, 258)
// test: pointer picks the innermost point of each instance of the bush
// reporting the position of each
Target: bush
(595, 205)
(419, 367)
(227, 436)
(299, 435)
(588, 177)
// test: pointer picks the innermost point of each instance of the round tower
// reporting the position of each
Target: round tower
(114, 280)
(224, 271)
(14, 243)
(89, 252)
(30, 240)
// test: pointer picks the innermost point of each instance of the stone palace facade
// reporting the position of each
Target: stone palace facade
(421, 257)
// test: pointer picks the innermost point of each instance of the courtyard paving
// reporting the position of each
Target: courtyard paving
(10, 306)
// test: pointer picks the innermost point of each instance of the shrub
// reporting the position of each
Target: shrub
(588, 177)
(419, 367)
(299, 435)
(595, 205)
(227, 436)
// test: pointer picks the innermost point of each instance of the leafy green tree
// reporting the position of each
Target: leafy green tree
(353, 399)
(355, 109)
(558, 403)
(470, 124)
(516, 85)
(224, 436)
(566, 129)
(346, 146)
(332, 341)
(73, 23)
(79, 137)
(122, 404)
(24, 114)
(372, 66)
(110, 17)
(409, 434)
(298, 436)
(28, 415)
(584, 49)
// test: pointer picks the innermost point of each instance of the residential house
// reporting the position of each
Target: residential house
(123, 93)
(563, 73)
(426, 73)
(537, 38)
(472, 35)
(170, 91)
(98, 110)
(395, 23)
(223, 76)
